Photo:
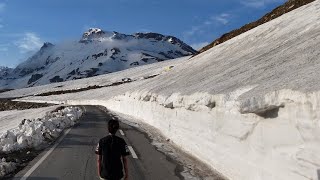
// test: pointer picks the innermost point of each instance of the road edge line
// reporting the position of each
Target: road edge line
(134, 155)
(121, 132)
(34, 167)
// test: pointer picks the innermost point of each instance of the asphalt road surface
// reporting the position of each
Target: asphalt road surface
(74, 157)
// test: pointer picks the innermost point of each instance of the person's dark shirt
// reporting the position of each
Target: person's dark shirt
(111, 148)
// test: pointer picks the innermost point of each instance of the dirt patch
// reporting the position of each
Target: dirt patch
(277, 12)
(7, 105)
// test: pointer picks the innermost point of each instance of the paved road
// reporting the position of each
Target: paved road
(74, 157)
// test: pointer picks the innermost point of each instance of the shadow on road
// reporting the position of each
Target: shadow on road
(318, 172)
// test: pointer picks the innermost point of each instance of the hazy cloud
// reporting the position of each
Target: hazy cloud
(198, 46)
(193, 30)
(3, 49)
(222, 18)
(259, 3)
(30, 42)
(215, 20)
(2, 7)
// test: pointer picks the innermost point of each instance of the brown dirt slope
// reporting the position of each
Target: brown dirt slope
(277, 12)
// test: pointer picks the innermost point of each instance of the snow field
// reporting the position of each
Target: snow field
(31, 133)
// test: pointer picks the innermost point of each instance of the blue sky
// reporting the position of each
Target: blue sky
(26, 24)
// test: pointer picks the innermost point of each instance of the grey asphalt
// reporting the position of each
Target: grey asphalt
(74, 157)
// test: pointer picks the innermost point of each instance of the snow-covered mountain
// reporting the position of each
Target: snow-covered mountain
(98, 52)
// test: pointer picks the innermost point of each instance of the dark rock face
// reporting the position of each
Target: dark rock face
(5, 71)
(155, 36)
(277, 12)
(91, 72)
(165, 55)
(56, 79)
(34, 78)
(24, 72)
(134, 64)
(46, 45)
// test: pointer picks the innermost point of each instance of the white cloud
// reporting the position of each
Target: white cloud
(216, 20)
(223, 18)
(193, 30)
(198, 46)
(30, 42)
(259, 3)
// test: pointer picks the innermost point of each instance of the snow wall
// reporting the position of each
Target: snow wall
(271, 138)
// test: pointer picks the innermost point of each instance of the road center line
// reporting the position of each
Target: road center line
(134, 155)
(45, 156)
(121, 132)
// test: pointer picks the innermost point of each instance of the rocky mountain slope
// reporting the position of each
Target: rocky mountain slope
(4, 71)
(97, 52)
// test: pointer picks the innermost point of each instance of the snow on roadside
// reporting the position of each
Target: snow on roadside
(33, 132)
(11, 119)
(6, 167)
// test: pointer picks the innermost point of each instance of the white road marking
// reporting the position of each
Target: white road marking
(134, 155)
(45, 156)
(121, 132)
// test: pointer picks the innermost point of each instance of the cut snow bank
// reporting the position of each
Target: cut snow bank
(33, 132)
(275, 137)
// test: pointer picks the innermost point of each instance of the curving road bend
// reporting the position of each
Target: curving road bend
(74, 159)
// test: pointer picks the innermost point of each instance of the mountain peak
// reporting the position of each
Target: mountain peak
(95, 33)
(46, 45)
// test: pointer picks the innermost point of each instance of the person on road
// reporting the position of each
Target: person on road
(110, 151)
